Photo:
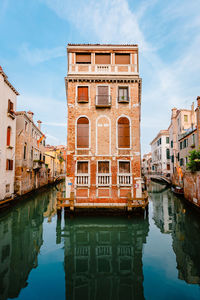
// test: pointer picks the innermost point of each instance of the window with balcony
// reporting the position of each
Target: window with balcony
(11, 112)
(123, 133)
(122, 58)
(83, 58)
(124, 173)
(82, 96)
(103, 99)
(123, 94)
(82, 174)
(8, 136)
(102, 58)
(83, 133)
(103, 176)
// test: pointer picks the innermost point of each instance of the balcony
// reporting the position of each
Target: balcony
(103, 179)
(37, 164)
(82, 180)
(122, 69)
(11, 114)
(103, 101)
(124, 179)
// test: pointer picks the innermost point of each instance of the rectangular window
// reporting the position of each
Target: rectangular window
(172, 158)
(82, 94)
(9, 164)
(10, 107)
(102, 58)
(83, 58)
(122, 58)
(181, 162)
(82, 167)
(181, 145)
(26, 126)
(102, 96)
(103, 167)
(185, 118)
(124, 167)
(171, 144)
(123, 94)
(193, 139)
(186, 160)
(7, 188)
(167, 140)
(167, 153)
(178, 156)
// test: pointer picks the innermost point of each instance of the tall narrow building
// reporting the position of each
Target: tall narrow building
(103, 142)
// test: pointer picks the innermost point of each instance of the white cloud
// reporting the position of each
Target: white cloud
(36, 56)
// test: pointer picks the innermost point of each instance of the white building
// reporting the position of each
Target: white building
(161, 153)
(8, 98)
(146, 163)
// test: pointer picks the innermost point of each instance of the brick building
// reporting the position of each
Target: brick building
(30, 170)
(8, 102)
(104, 98)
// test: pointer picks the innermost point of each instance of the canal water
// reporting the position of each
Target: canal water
(107, 258)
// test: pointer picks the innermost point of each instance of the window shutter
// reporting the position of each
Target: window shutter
(7, 164)
(122, 59)
(83, 93)
(82, 167)
(123, 133)
(83, 58)
(103, 95)
(8, 136)
(124, 167)
(83, 133)
(102, 59)
(11, 164)
(103, 167)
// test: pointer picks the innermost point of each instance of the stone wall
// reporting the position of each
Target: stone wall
(192, 187)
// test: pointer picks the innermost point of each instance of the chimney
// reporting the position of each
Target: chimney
(30, 114)
(39, 124)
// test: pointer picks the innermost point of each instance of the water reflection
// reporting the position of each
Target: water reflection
(172, 215)
(103, 257)
(21, 236)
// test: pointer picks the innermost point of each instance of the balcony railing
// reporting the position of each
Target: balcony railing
(124, 179)
(82, 180)
(103, 179)
(11, 113)
(103, 101)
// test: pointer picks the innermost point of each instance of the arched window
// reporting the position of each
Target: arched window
(123, 133)
(83, 133)
(8, 135)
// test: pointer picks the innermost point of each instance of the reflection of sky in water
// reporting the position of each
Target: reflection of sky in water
(100, 258)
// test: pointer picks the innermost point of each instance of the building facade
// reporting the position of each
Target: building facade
(8, 101)
(30, 170)
(147, 163)
(161, 153)
(103, 144)
(55, 158)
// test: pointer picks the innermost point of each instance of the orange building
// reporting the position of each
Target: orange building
(103, 142)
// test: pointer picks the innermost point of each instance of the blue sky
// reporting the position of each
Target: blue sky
(34, 35)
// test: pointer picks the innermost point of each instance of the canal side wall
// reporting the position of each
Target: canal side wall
(192, 187)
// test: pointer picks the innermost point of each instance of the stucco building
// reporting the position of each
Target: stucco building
(55, 158)
(147, 163)
(160, 153)
(104, 100)
(8, 101)
(30, 170)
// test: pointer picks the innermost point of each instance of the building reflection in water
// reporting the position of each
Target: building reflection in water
(172, 215)
(21, 236)
(103, 257)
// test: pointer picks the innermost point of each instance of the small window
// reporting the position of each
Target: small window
(103, 167)
(10, 107)
(102, 58)
(185, 118)
(8, 135)
(83, 58)
(181, 145)
(7, 188)
(186, 160)
(82, 94)
(25, 148)
(26, 126)
(167, 153)
(123, 94)
(122, 58)
(167, 140)
(171, 144)
(9, 164)
(82, 167)
(181, 162)
(82, 133)
(124, 167)
(193, 139)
